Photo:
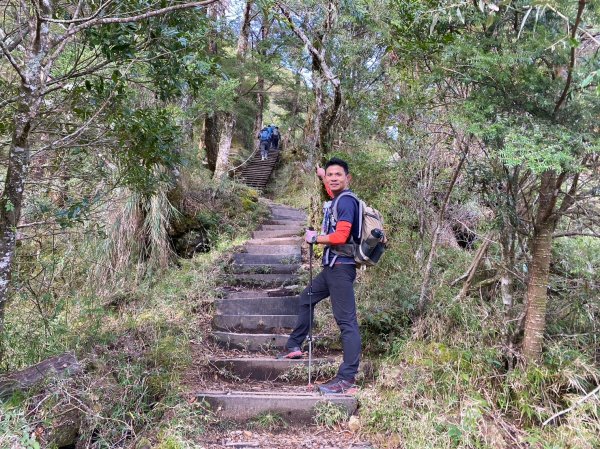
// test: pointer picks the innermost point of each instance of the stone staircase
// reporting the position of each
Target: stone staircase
(256, 173)
(252, 323)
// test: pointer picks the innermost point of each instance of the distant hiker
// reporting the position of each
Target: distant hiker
(336, 280)
(265, 142)
(275, 138)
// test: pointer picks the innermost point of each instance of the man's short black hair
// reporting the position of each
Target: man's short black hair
(337, 161)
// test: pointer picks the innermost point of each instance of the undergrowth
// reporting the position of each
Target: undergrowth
(133, 335)
(451, 379)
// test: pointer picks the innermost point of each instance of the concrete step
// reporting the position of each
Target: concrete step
(282, 227)
(255, 174)
(262, 280)
(279, 240)
(254, 323)
(295, 215)
(286, 210)
(299, 223)
(282, 305)
(282, 250)
(258, 174)
(250, 342)
(294, 407)
(275, 234)
(280, 268)
(245, 258)
(280, 217)
(263, 368)
(269, 293)
(262, 165)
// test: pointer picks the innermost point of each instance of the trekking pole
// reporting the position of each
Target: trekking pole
(310, 316)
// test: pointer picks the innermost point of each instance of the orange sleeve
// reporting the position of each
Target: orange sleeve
(341, 234)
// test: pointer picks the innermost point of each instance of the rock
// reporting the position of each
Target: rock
(354, 424)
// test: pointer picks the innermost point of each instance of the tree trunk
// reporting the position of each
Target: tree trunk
(27, 109)
(537, 286)
(260, 88)
(211, 140)
(425, 293)
(211, 121)
(537, 294)
(222, 165)
(63, 365)
(242, 46)
(324, 116)
(470, 274)
(320, 109)
(228, 119)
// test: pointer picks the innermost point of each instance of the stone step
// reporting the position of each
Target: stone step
(257, 174)
(270, 369)
(300, 224)
(294, 407)
(263, 280)
(282, 305)
(270, 293)
(245, 258)
(297, 215)
(250, 342)
(287, 217)
(283, 250)
(275, 240)
(254, 323)
(262, 172)
(282, 227)
(263, 168)
(280, 268)
(276, 234)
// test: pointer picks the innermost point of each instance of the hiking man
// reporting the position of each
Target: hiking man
(264, 137)
(336, 280)
(275, 138)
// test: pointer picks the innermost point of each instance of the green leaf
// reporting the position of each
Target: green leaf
(588, 80)
(454, 433)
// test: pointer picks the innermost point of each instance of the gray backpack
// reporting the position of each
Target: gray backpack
(371, 246)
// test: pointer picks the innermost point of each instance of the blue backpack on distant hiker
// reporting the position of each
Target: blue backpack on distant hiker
(265, 134)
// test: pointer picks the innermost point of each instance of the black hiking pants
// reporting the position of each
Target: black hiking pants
(336, 282)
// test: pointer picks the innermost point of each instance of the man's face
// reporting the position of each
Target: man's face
(336, 178)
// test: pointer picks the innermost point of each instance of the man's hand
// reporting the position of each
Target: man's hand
(320, 172)
(310, 236)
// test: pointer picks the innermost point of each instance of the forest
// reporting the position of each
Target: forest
(472, 126)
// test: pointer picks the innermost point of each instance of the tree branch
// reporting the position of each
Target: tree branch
(576, 234)
(580, 401)
(75, 19)
(107, 20)
(569, 80)
(311, 48)
(13, 62)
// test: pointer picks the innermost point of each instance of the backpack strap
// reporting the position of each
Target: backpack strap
(360, 209)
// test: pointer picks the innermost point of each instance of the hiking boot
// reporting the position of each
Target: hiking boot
(338, 386)
(291, 353)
